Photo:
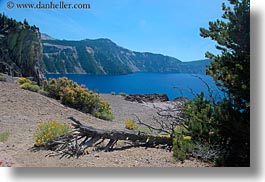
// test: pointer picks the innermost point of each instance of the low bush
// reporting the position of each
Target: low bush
(200, 115)
(78, 97)
(47, 131)
(144, 130)
(182, 142)
(200, 129)
(104, 110)
(28, 84)
(122, 94)
(2, 77)
(4, 136)
(30, 87)
(182, 146)
(23, 80)
(130, 125)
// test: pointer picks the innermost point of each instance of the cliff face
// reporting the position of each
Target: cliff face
(102, 56)
(20, 49)
(23, 53)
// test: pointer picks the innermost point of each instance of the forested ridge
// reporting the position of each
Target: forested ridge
(20, 49)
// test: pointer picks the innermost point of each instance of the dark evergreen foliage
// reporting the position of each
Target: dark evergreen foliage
(225, 126)
(20, 49)
(221, 130)
(231, 70)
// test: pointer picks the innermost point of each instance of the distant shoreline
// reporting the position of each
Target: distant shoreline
(122, 74)
(172, 84)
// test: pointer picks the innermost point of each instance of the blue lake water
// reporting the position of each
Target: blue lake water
(172, 84)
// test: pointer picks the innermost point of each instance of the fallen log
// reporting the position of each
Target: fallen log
(75, 143)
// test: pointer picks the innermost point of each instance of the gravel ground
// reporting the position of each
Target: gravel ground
(21, 111)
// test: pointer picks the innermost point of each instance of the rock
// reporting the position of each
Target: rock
(21, 51)
(141, 98)
(180, 99)
(96, 155)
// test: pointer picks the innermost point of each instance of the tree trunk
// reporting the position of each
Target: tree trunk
(82, 137)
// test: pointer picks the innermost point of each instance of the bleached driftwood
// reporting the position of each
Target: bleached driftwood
(76, 142)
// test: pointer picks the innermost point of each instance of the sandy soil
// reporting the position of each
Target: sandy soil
(21, 111)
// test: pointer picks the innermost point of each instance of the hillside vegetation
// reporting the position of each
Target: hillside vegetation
(20, 49)
(24, 52)
(102, 56)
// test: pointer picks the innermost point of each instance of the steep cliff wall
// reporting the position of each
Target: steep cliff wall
(20, 49)
(102, 56)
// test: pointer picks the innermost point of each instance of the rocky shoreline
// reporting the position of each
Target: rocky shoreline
(142, 98)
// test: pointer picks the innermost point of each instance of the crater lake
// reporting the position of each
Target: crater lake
(173, 84)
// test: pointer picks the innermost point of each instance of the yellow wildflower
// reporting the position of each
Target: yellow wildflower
(187, 137)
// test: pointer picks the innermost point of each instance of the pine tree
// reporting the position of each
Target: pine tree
(231, 71)
(25, 22)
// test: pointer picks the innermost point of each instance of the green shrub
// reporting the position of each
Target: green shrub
(182, 142)
(230, 68)
(200, 129)
(42, 92)
(104, 110)
(200, 115)
(182, 146)
(53, 88)
(78, 97)
(2, 77)
(30, 87)
(4, 136)
(47, 131)
(234, 138)
(122, 94)
(144, 129)
(219, 132)
(113, 93)
(23, 80)
(130, 125)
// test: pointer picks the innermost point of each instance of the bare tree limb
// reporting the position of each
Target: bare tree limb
(75, 143)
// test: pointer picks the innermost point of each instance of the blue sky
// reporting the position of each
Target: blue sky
(169, 27)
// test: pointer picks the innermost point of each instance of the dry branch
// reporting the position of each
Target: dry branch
(76, 142)
(167, 118)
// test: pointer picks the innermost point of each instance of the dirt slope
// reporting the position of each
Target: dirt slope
(21, 111)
